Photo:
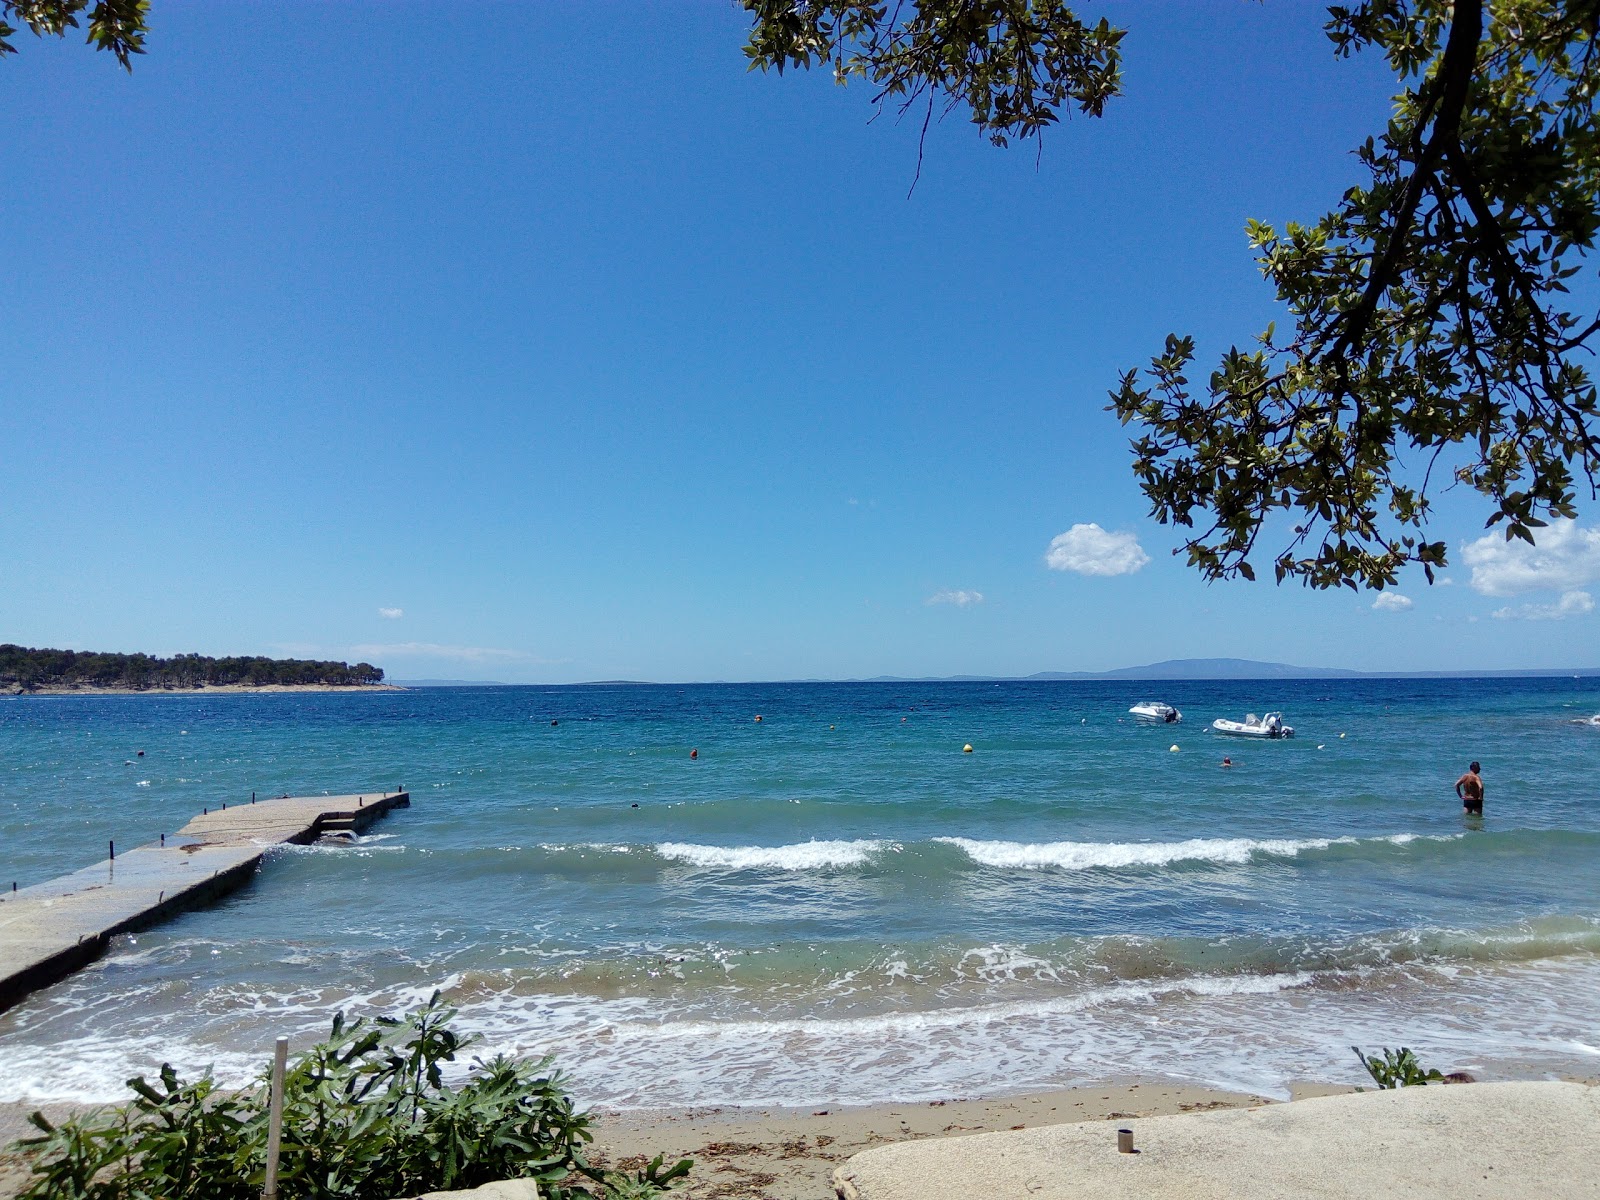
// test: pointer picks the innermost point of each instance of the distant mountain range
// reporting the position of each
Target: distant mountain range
(1245, 668)
(1172, 668)
(1207, 668)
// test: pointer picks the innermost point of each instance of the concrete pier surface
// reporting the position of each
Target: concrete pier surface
(52, 929)
(1512, 1140)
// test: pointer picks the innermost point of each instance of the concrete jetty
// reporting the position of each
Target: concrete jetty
(52, 929)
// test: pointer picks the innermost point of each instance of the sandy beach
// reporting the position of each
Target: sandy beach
(790, 1154)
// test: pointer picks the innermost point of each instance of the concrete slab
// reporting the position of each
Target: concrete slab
(508, 1189)
(1484, 1140)
(52, 929)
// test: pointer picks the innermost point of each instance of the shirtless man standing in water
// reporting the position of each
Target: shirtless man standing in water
(1470, 788)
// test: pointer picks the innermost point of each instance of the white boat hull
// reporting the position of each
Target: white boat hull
(1156, 714)
(1253, 729)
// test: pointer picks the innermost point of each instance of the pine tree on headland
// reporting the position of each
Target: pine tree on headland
(29, 669)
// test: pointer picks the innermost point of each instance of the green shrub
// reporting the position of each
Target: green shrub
(366, 1116)
(1397, 1068)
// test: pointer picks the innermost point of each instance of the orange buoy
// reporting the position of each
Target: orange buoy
(694, 754)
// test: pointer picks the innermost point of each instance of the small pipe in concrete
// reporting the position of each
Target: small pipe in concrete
(1125, 1141)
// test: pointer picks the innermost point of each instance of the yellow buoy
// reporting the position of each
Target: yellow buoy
(1172, 749)
(967, 749)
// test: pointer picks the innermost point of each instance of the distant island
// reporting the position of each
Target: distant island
(53, 671)
(1170, 670)
(1208, 668)
(1240, 668)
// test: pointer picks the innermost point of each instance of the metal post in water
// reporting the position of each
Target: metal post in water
(280, 1056)
(113, 846)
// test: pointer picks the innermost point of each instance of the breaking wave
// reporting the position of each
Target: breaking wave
(1084, 856)
(802, 856)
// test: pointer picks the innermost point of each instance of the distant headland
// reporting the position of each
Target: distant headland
(86, 672)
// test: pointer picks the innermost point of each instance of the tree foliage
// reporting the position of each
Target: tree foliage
(1013, 63)
(1432, 315)
(1433, 320)
(114, 25)
(28, 669)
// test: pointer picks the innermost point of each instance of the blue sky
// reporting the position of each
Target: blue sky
(545, 343)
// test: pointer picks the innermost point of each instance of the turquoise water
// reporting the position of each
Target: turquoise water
(835, 903)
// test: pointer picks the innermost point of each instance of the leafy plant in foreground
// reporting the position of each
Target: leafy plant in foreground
(367, 1115)
(1397, 1068)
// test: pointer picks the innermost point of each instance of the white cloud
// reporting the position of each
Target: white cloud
(1090, 550)
(961, 599)
(1391, 602)
(391, 614)
(1571, 604)
(1564, 558)
(474, 654)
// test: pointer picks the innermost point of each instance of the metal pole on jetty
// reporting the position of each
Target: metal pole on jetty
(280, 1057)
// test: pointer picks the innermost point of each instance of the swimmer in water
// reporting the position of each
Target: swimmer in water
(1470, 788)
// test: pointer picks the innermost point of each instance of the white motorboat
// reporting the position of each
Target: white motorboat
(1156, 712)
(1269, 726)
(1594, 720)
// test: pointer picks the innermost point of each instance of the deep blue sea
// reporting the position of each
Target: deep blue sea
(835, 903)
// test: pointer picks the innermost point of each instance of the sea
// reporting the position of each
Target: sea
(810, 894)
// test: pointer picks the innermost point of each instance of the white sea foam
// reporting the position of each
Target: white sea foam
(1253, 1032)
(1084, 856)
(1250, 1032)
(802, 856)
(561, 847)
